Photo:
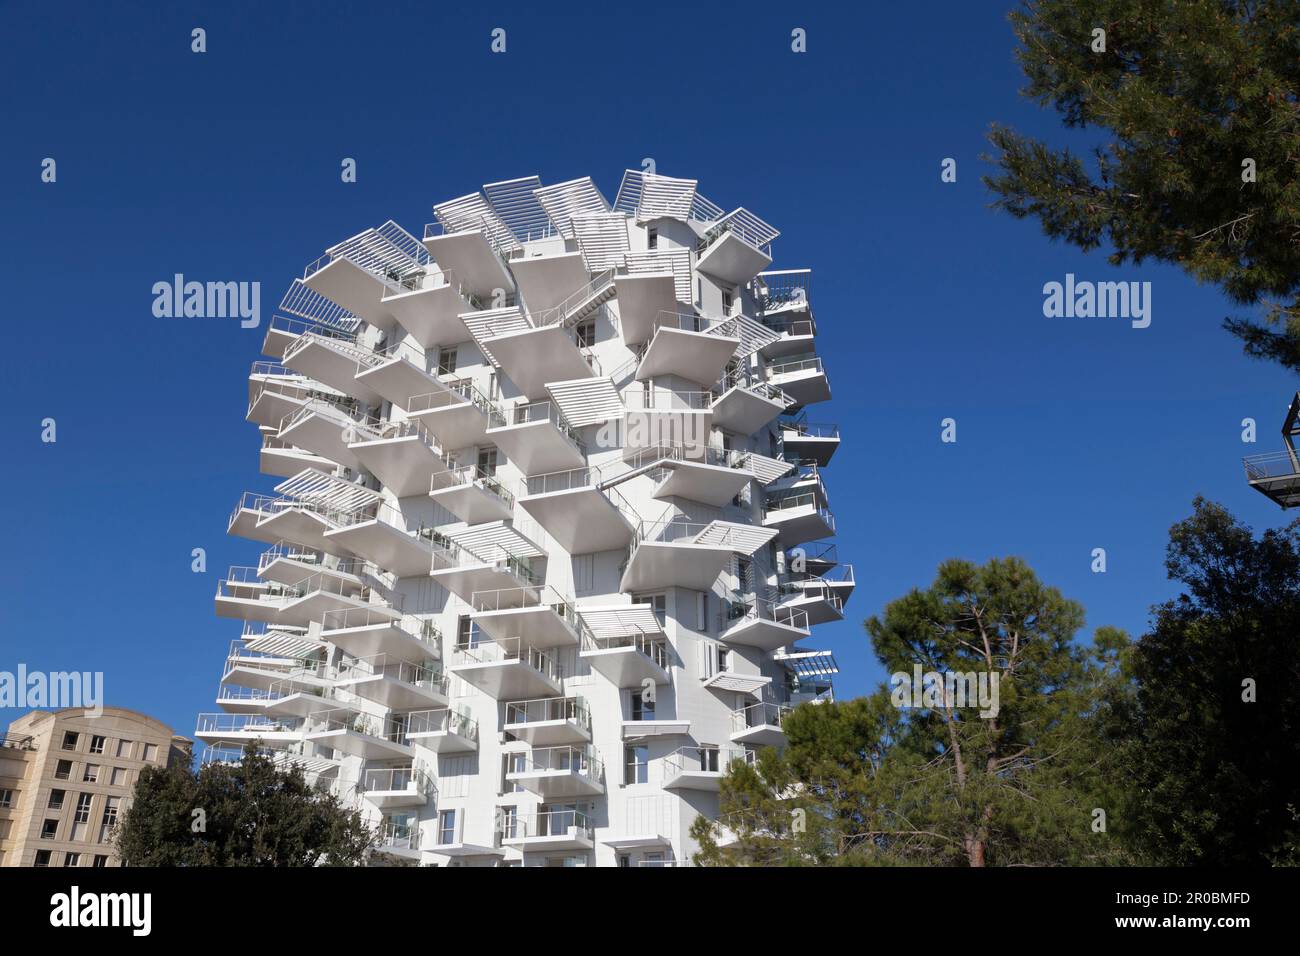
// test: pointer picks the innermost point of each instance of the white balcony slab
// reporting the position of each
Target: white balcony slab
(760, 735)
(546, 281)
(799, 524)
(389, 638)
(458, 423)
(821, 607)
(409, 796)
(533, 357)
(552, 784)
(398, 379)
(537, 448)
(395, 692)
(358, 744)
(472, 502)
(732, 260)
(431, 315)
(805, 386)
(539, 626)
(571, 838)
(624, 666)
(334, 364)
(507, 680)
(391, 548)
(695, 356)
(289, 569)
(405, 465)
(549, 733)
(682, 564)
(809, 447)
(764, 634)
(642, 297)
(645, 729)
(473, 260)
(353, 288)
(287, 462)
(697, 481)
(742, 411)
(322, 429)
(463, 580)
(299, 525)
(733, 682)
(582, 520)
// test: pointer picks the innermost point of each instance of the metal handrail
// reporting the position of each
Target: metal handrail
(578, 760)
(544, 709)
(470, 475)
(509, 649)
(759, 715)
(654, 648)
(1277, 464)
(441, 719)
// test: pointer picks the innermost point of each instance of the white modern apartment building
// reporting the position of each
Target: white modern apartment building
(553, 531)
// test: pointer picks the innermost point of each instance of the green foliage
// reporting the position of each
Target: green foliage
(253, 814)
(941, 785)
(1217, 778)
(1183, 94)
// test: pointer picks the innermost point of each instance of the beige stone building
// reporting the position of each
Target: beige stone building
(66, 777)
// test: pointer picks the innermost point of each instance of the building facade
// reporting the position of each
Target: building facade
(553, 530)
(66, 777)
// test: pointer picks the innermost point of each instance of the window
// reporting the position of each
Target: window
(82, 813)
(110, 818)
(487, 461)
(42, 858)
(97, 744)
(624, 861)
(49, 829)
(709, 757)
(652, 238)
(63, 770)
(724, 658)
(726, 302)
(659, 602)
(70, 740)
(72, 859)
(92, 773)
(151, 752)
(636, 764)
(446, 827)
(642, 709)
(585, 334)
(100, 861)
(56, 800)
(124, 748)
(467, 633)
(446, 361)
(510, 822)
(119, 777)
(7, 799)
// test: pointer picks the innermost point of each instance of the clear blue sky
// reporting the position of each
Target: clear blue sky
(1072, 433)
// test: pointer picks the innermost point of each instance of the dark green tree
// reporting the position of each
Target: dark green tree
(874, 783)
(1183, 95)
(1211, 735)
(253, 813)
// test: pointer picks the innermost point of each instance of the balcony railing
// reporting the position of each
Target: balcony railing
(442, 720)
(425, 631)
(758, 715)
(799, 365)
(544, 709)
(783, 287)
(740, 608)
(17, 742)
(548, 823)
(704, 759)
(811, 429)
(638, 399)
(398, 836)
(397, 780)
(562, 313)
(471, 475)
(250, 724)
(743, 225)
(387, 667)
(1278, 464)
(389, 728)
(654, 648)
(581, 761)
(779, 507)
(529, 413)
(510, 649)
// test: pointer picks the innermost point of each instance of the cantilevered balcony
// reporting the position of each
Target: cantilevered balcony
(784, 300)
(711, 476)
(744, 404)
(373, 630)
(751, 621)
(803, 379)
(1276, 476)
(359, 271)
(642, 297)
(818, 600)
(548, 721)
(307, 506)
(501, 560)
(472, 494)
(700, 768)
(400, 840)
(657, 416)
(247, 668)
(288, 563)
(458, 414)
(628, 660)
(322, 426)
(379, 532)
(284, 331)
(548, 830)
(548, 272)
(398, 373)
(812, 559)
(333, 360)
(391, 787)
(393, 682)
(430, 306)
(799, 517)
(736, 248)
(275, 391)
(677, 553)
(282, 459)
(443, 730)
(579, 510)
(537, 614)
(285, 700)
(552, 772)
(359, 735)
(532, 357)
(507, 670)
(242, 594)
(239, 729)
(536, 438)
(809, 441)
(477, 263)
(403, 455)
(688, 346)
(759, 725)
